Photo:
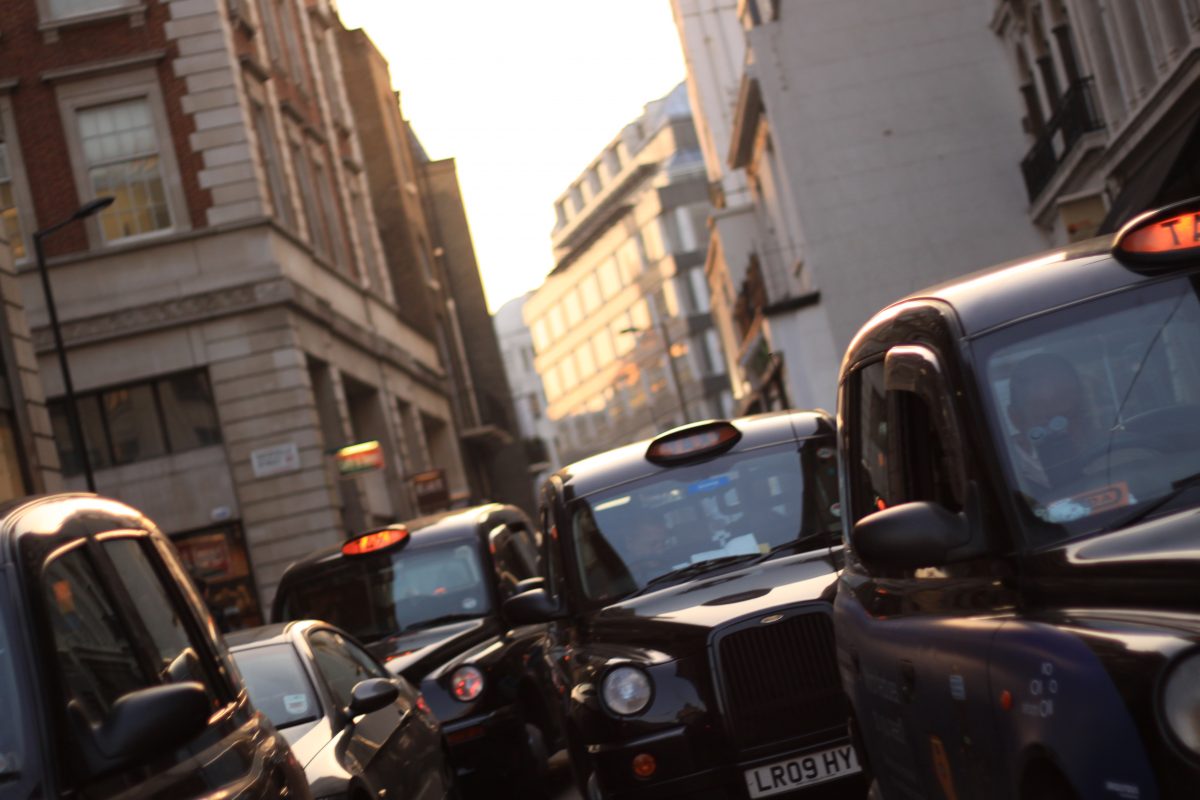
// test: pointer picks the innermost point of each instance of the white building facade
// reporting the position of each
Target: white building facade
(877, 144)
(528, 394)
(621, 327)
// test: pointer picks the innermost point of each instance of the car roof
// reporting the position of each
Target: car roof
(445, 526)
(274, 633)
(53, 516)
(623, 464)
(1029, 286)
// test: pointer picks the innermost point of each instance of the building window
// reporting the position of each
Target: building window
(332, 216)
(291, 36)
(120, 149)
(270, 22)
(12, 226)
(268, 151)
(138, 421)
(316, 231)
(366, 240)
(64, 9)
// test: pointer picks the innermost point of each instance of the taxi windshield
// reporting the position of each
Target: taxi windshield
(11, 744)
(741, 505)
(393, 592)
(1095, 409)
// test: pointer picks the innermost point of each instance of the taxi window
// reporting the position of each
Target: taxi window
(740, 504)
(1095, 409)
(96, 658)
(399, 590)
(12, 745)
(278, 685)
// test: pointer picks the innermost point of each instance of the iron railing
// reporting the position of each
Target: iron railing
(1075, 115)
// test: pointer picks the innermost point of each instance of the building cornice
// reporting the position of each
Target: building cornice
(93, 68)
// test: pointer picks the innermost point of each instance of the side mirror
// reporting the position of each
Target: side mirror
(142, 725)
(536, 582)
(531, 607)
(372, 695)
(911, 535)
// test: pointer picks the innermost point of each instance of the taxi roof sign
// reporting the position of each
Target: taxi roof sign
(703, 438)
(376, 541)
(1162, 238)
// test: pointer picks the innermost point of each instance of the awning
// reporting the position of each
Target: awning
(1143, 190)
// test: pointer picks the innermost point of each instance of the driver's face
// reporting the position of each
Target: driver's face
(1050, 407)
(649, 539)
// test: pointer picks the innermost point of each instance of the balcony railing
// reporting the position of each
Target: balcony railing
(1075, 116)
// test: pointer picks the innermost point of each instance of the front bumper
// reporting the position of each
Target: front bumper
(485, 746)
(679, 773)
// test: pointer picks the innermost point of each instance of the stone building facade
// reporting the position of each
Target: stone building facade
(231, 319)
(1110, 95)
(857, 151)
(621, 326)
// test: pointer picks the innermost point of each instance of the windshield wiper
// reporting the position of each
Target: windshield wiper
(1177, 488)
(788, 545)
(698, 568)
(444, 619)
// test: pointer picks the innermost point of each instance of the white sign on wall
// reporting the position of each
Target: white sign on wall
(275, 460)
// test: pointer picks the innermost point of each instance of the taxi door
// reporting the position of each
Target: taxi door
(119, 618)
(914, 642)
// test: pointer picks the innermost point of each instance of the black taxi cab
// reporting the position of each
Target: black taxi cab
(424, 597)
(114, 681)
(1019, 616)
(687, 580)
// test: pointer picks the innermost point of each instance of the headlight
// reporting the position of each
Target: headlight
(1181, 702)
(466, 683)
(626, 690)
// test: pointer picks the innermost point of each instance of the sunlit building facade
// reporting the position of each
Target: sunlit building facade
(621, 327)
(1111, 114)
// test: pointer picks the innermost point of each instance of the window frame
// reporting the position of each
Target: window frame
(77, 95)
(119, 8)
(18, 180)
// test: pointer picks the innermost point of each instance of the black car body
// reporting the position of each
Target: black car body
(424, 597)
(113, 678)
(708, 671)
(1020, 611)
(358, 730)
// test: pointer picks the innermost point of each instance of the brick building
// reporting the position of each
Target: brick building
(232, 317)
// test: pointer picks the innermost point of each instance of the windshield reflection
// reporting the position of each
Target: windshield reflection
(674, 524)
(402, 590)
(1097, 408)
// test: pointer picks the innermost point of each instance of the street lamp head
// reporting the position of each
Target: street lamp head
(87, 209)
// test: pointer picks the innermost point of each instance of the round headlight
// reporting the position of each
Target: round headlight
(466, 683)
(626, 690)
(1181, 702)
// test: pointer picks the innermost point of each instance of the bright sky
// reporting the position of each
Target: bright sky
(522, 96)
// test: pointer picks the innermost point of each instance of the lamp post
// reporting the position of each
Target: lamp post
(86, 210)
(668, 345)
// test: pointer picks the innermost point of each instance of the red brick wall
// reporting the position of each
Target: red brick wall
(25, 55)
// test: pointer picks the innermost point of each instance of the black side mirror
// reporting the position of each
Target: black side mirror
(531, 607)
(142, 725)
(912, 535)
(372, 695)
(536, 582)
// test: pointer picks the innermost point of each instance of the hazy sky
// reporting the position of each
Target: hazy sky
(522, 96)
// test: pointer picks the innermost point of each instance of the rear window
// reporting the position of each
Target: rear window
(278, 685)
(386, 594)
(738, 504)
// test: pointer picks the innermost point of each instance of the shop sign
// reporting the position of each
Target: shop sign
(361, 457)
(432, 492)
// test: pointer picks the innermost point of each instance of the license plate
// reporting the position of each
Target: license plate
(806, 770)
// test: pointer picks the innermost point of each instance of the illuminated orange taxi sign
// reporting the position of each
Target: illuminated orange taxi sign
(375, 541)
(360, 457)
(693, 440)
(1162, 237)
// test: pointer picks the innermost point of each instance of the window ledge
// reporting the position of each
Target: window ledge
(100, 67)
(136, 12)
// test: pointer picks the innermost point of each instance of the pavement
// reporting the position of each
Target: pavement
(560, 783)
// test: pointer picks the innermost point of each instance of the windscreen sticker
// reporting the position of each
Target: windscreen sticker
(708, 484)
(295, 703)
(469, 603)
(1105, 498)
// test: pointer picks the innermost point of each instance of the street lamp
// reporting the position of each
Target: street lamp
(668, 346)
(86, 210)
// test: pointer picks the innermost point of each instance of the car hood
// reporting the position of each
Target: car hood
(684, 614)
(1153, 563)
(414, 654)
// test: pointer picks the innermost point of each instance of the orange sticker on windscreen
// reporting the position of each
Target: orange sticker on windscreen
(1106, 498)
